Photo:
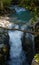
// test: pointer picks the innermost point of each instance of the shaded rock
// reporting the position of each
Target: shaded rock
(36, 38)
(27, 45)
(36, 44)
(4, 42)
(4, 36)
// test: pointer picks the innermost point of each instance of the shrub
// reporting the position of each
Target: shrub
(6, 2)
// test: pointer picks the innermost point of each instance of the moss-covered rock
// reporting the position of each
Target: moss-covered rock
(35, 61)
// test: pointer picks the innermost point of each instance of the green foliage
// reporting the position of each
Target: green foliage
(32, 5)
(4, 3)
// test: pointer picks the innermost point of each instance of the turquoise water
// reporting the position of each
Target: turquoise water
(24, 16)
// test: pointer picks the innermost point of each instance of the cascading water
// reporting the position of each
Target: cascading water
(16, 53)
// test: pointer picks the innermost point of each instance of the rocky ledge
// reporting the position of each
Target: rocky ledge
(4, 37)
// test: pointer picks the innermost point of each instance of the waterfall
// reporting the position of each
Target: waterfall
(17, 54)
(16, 47)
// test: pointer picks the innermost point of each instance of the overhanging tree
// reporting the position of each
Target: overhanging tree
(4, 4)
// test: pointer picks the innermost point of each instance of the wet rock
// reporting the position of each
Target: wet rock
(27, 45)
(4, 36)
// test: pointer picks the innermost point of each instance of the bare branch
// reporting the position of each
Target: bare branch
(26, 31)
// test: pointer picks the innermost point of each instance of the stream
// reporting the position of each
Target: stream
(17, 55)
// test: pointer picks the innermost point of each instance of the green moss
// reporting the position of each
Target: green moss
(36, 57)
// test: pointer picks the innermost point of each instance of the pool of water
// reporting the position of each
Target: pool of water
(21, 14)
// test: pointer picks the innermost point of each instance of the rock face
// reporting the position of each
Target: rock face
(36, 39)
(28, 46)
(4, 43)
(36, 44)
(4, 36)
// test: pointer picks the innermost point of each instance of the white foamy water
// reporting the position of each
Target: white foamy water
(16, 46)
(19, 9)
(17, 55)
